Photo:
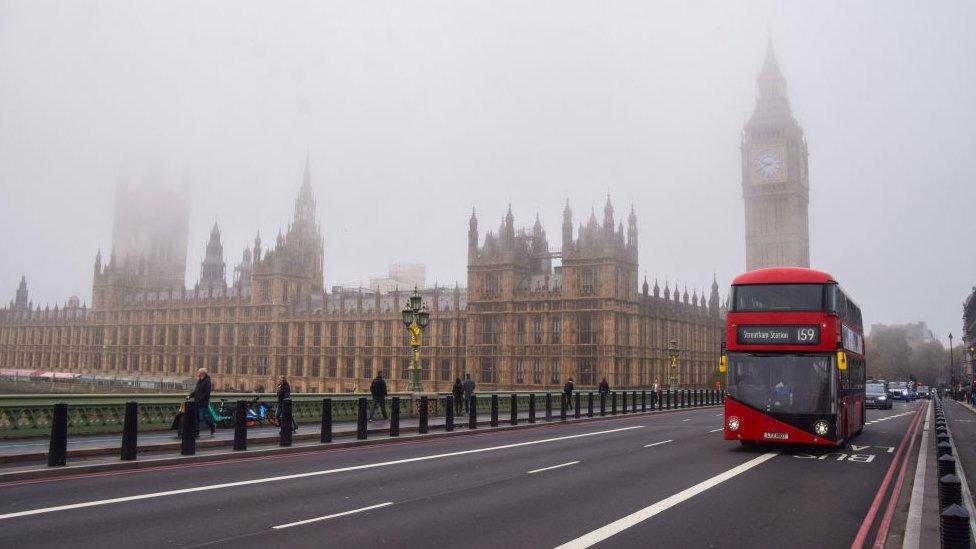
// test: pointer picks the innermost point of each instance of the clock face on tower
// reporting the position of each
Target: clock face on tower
(768, 165)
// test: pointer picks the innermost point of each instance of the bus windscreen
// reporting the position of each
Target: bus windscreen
(786, 384)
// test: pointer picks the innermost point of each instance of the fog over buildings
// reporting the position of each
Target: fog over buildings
(414, 112)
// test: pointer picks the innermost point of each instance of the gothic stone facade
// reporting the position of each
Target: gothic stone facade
(520, 324)
(775, 177)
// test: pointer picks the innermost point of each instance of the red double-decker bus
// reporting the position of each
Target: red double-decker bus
(794, 358)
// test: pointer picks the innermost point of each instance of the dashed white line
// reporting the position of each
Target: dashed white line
(553, 467)
(600, 534)
(265, 480)
(327, 517)
(688, 419)
(656, 443)
(717, 430)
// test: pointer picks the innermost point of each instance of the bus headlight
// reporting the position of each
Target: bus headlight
(821, 428)
(733, 424)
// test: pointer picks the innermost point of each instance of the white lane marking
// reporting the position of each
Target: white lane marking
(656, 443)
(717, 430)
(600, 534)
(327, 517)
(552, 467)
(205, 488)
(719, 415)
(913, 527)
(689, 419)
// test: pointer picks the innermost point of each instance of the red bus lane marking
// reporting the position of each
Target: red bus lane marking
(862, 532)
(879, 540)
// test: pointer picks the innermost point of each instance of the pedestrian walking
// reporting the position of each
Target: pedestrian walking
(378, 389)
(656, 392)
(972, 393)
(604, 387)
(201, 396)
(283, 392)
(458, 393)
(568, 393)
(468, 391)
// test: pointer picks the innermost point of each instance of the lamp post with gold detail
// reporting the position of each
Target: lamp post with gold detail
(416, 318)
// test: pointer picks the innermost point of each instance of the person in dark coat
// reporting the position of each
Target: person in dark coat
(458, 393)
(378, 389)
(283, 392)
(201, 396)
(568, 393)
(468, 391)
(604, 387)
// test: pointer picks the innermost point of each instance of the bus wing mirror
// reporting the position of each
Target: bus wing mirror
(841, 361)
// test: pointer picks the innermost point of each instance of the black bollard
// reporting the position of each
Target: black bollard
(531, 408)
(946, 465)
(240, 426)
(667, 396)
(624, 401)
(360, 419)
(576, 412)
(395, 417)
(603, 403)
(950, 491)
(188, 429)
(513, 411)
(548, 406)
(643, 401)
(613, 403)
(473, 413)
(130, 426)
(562, 405)
(494, 411)
(633, 402)
(449, 413)
(423, 427)
(326, 420)
(954, 522)
(944, 449)
(589, 404)
(57, 454)
(285, 423)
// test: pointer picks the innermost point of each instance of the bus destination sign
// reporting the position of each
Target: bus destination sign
(778, 335)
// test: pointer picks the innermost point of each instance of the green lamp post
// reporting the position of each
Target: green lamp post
(416, 318)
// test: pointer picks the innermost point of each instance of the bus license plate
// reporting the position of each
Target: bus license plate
(781, 436)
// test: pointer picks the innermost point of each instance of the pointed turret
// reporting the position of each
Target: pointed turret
(98, 263)
(657, 289)
(713, 299)
(608, 215)
(632, 228)
(257, 247)
(567, 228)
(644, 287)
(21, 300)
(472, 237)
(212, 269)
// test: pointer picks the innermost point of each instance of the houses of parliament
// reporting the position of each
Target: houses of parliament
(531, 315)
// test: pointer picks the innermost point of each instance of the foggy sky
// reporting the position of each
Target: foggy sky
(427, 109)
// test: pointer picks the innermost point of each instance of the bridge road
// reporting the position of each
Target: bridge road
(480, 490)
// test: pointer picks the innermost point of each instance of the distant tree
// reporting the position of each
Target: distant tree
(888, 353)
(928, 361)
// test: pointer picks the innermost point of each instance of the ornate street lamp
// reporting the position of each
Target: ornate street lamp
(416, 318)
(673, 353)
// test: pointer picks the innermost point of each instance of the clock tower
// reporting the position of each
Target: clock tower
(775, 178)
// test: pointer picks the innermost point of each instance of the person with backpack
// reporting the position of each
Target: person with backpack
(604, 387)
(378, 389)
(458, 393)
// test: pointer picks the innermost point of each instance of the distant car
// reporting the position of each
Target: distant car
(924, 392)
(900, 391)
(875, 396)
